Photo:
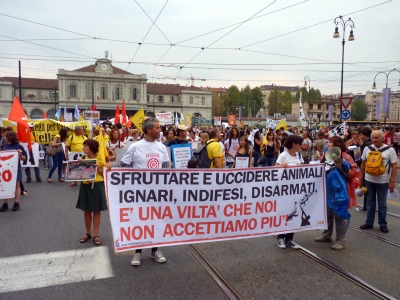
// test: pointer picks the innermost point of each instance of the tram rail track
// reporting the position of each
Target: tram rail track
(232, 294)
(229, 291)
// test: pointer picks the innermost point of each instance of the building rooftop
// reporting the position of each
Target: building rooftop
(32, 83)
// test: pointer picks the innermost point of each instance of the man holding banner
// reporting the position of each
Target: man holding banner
(146, 154)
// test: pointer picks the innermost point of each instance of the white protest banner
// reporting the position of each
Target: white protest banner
(75, 155)
(8, 173)
(181, 153)
(164, 118)
(32, 159)
(165, 207)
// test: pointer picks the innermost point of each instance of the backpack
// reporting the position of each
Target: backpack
(374, 164)
(201, 156)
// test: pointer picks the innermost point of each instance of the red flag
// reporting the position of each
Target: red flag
(17, 114)
(123, 113)
(44, 115)
(24, 135)
(129, 123)
(117, 118)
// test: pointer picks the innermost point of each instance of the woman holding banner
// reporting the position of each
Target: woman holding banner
(11, 143)
(92, 195)
(290, 157)
(59, 157)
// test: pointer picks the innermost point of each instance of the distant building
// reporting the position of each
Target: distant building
(105, 86)
(374, 101)
(37, 96)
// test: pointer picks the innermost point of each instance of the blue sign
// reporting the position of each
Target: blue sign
(345, 114)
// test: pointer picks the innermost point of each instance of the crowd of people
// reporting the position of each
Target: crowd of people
(228, 148)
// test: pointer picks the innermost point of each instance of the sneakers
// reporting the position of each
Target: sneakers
(384, 229)
(29, 180)
(337, 246)
(323, 239)
(366, 226)
(292, 245)
(137, 259)
(158, 257)
(281, 243)
(4, 207)
(39, 180)
(15, 206)
(361, 209)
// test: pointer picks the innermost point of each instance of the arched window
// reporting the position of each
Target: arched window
(51, 113)
(36, 114)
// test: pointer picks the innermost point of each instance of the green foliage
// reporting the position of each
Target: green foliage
(314, 94)
(359, 110)
(249, 99)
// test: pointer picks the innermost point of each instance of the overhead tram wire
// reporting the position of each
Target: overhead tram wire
(53, 27)
(222, 28)
(224, 35)
(170, 46)
(317, 24)
(49, 47)
(153, 24)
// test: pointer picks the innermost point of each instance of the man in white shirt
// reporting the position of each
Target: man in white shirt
(378, 185)
(147, 153)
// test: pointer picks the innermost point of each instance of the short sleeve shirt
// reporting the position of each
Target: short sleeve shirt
(75, 143)
(146, 155)
(214, 150)
(285, 157)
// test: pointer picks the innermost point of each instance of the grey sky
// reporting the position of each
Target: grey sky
(280, 41)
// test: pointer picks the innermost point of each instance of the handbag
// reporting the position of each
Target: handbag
(51, 151)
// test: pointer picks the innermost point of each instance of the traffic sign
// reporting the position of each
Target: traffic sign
(345, 101)
(345, 114)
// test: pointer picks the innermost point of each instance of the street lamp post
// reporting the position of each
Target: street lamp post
(348, 22)
(387, 79)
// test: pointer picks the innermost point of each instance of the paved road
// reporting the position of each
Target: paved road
(41, 258)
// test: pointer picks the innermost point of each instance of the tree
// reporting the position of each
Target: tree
(359, 110)
(314, 94)
(232, 100)
(218, 107)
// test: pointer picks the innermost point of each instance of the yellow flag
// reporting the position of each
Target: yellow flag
(138, 118)
(283, 124)
(101, 156)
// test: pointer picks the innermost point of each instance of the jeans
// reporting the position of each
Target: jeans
(57, 163)
(256, 157)
(376, 191)
(28, 173)
(270, 161)
(48, 161)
